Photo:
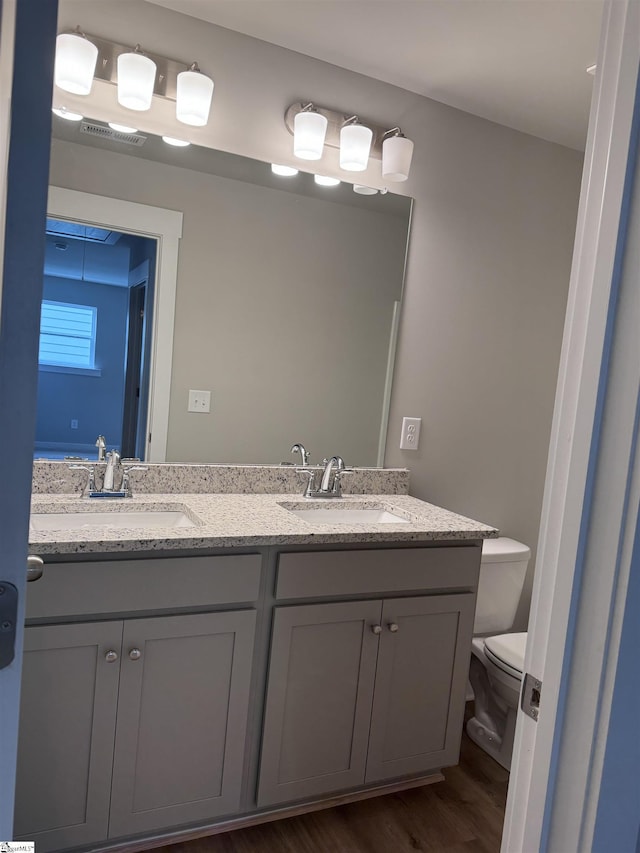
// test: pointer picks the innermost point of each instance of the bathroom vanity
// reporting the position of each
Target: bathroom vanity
(196, 679)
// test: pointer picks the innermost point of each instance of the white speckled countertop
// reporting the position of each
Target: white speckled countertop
(243, 520)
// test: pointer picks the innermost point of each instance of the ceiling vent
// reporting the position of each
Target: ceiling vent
(103, 132)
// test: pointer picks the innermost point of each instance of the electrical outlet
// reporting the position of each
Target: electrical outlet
(410, 438)
(74, 423)
(199, 401)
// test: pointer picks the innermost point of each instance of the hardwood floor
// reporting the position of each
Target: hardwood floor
(463, 814)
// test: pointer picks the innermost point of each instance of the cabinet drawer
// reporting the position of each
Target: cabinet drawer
(314, 574)
(119, 586)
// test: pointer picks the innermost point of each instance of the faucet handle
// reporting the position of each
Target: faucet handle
(91, 479)
(311, 481)
(126, 485)
(337, 480)
(344, 470)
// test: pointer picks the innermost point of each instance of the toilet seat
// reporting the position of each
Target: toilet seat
(506, 651)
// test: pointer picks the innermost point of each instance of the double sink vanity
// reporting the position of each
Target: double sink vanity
(217, 651)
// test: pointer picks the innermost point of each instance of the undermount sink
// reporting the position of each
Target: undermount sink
(128, 519)
(348, 515)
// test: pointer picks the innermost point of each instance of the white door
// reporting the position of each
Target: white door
(592, 489)
(29, 26)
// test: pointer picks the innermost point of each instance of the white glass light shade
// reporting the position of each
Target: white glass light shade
(361, 189)
(136, 76)
(326, 181)
(355, 144)
(309, 131)
(75, 63)
(397, 152)
(63, 112)
(122, 128)
(177, 143)
(283, 171)
(193, 98)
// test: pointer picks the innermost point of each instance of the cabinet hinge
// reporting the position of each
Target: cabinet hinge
(530, 699)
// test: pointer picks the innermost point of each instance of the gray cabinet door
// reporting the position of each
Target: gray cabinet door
(418, 704)
(182, 713)
(321, 678)
(67, 726)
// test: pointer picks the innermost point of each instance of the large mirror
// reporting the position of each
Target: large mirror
(286, 305)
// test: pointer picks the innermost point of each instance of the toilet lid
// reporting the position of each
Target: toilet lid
(507, 649)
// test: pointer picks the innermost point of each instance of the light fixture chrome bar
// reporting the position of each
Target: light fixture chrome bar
(336, 121)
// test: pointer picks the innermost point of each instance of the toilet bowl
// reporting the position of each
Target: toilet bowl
(496, 685)
(497, 657)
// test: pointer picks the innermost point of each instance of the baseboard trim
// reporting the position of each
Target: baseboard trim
(246, 821)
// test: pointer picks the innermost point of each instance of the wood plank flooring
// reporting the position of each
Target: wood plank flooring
(463, 814)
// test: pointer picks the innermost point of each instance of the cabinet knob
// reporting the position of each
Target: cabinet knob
(135, 654)
(393, 627)
(34, 567)
(111, 656)
(377, 629)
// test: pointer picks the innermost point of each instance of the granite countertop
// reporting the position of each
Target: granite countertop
(244, 520)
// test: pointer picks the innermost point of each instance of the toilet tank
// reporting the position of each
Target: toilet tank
(502, 572)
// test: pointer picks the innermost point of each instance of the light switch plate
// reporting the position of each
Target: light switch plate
(410, 438)
(199, 401)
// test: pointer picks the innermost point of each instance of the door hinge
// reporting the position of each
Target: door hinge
(530, 699)
(8, 620)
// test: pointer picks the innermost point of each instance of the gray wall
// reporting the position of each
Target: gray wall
(489, 261)
(482, 327)
(283, 310)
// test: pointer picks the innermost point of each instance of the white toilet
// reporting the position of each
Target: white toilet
(497, 657)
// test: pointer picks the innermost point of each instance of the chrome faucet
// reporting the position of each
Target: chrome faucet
(331, 483)
(304, 454)
(331, 476)
(113, 461)
(108, 481)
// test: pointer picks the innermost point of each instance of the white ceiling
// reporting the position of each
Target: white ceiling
(521, 63)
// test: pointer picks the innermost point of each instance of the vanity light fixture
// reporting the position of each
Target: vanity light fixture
(75, 62)
(63, 112)
(177, 143)
(326, 181)
(283, 171)
(397, 152)
(193, 96)
(359, 142)
(309, 131)
(355, 144)
(136, 78)
(122, 128)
